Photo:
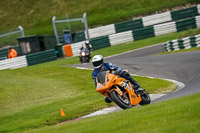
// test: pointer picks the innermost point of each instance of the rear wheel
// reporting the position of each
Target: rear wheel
(122, 101)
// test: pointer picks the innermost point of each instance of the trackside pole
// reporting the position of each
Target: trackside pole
(84, 20)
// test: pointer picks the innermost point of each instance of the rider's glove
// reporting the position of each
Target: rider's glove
(117, 72)
(126, 73)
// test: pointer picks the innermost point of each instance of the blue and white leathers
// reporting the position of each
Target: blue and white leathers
(106, 67)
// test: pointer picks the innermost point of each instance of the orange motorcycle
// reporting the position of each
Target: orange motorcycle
(120, 90)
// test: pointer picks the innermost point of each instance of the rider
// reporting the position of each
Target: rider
(99, 65)
(88, 45)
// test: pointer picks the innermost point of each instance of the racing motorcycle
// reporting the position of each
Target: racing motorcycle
(84, 55)
(120, 90)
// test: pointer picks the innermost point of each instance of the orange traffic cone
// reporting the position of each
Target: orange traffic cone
(62, 112)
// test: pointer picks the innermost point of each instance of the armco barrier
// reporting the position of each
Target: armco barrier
(185, 43)
(144, 21)
(184, 13)
(186, 24)
(13, 63)
(197, 18)
(156, 19)
(76, 48)
(128, 25)
(165, 28)
(102, 31)
(41, 57)
(79, 36)
(100, 42)
(143, 33)
(121, 37)
(138, 34)
(28, 60)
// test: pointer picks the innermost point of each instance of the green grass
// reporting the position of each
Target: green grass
(32, 97)
(180, 51)
(142, 43)
(36, 16)
(190, 32)
(180, 115)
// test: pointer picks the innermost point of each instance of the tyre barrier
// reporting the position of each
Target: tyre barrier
(185, 43)
(28, 60)
(138, 34)
(150, 20)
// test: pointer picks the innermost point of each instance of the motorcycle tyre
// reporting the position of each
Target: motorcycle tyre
(145, 98)
(117, 100)
(83, 59)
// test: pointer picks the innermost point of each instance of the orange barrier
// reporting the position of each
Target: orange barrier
(68, 50)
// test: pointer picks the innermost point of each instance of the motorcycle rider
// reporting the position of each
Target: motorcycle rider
(88, 48)
(99, 65)
(87, 45)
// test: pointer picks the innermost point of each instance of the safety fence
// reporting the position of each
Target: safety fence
(138, 34)
(185, 43)
(13, 63)
(28, 60)
(41, 57)
(144, 21)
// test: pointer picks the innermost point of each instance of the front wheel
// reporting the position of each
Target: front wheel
(145, 98)
(122, 101)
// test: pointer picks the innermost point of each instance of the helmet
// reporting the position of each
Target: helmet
(87, 42)
(97, 61)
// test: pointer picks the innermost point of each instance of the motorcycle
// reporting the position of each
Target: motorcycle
(120, 90)
(84, 55)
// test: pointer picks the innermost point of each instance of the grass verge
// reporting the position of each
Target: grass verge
(180, 51)
(143, 43)
(32, 97)
(36, 16)
(180, 115)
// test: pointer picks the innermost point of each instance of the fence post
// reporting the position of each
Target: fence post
(22, 30)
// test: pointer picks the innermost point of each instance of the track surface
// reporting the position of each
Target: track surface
(183, 67)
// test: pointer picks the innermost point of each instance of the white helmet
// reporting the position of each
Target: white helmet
(97, 61)
(87, 42)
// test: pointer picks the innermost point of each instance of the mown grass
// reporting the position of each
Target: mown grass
(189, 32)
(36, 16)
(180, 115)
(145, 42)
(180, 51)
(32, 97)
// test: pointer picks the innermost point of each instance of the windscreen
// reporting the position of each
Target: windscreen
(101, 77)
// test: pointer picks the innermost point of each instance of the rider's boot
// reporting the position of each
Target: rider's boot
(107, 100)
(135, 83)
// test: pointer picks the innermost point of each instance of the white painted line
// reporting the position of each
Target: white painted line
(156, 96)
(180, 85)
(117, 108)
(84, 68)
(104, 111)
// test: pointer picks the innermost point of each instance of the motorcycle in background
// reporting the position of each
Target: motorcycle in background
(86, 52)
(84, 55)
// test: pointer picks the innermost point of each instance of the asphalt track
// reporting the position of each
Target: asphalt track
(183, 67)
